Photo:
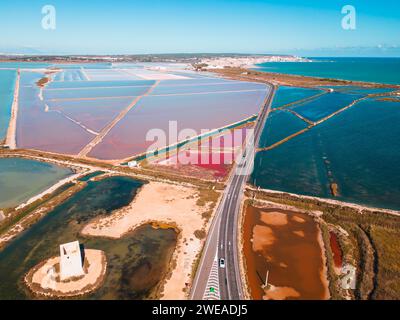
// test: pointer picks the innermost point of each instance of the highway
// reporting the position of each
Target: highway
(223, 234)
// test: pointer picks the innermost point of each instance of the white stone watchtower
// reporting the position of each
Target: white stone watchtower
(70, 260)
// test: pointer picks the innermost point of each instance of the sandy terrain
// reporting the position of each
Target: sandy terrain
(280, 293)
(299, 233)
(298, 219)
(263, 236)
(165, 203)
(274, 218)
(287, 79)
(12, 127)
(44, 280)
(358, 207)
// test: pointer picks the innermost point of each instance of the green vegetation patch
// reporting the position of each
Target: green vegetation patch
(386, 242)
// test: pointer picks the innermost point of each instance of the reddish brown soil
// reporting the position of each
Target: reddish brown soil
(290, 251)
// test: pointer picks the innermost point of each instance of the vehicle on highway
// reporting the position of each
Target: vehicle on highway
(222, 263)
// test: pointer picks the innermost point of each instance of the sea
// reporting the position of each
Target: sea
(381, 70)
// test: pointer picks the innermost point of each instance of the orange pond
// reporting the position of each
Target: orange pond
(287, 245)
(336, 250)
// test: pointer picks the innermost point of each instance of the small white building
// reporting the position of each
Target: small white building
(132, 164)
(71, 264)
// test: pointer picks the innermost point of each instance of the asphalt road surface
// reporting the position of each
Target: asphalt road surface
(222, 237)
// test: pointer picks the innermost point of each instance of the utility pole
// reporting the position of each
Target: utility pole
(265, 285)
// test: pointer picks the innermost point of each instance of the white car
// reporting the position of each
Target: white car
(222, 263)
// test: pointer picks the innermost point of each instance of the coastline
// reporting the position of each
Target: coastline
(283, 79)
(357, 207)
(50, 190)
(375, 70)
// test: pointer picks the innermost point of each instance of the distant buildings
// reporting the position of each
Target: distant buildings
(246, 61)
(71, 262)
(132, 164)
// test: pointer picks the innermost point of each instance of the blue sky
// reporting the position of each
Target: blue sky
(301, 27)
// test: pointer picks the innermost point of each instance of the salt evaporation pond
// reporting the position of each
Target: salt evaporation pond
(45, 130)
(87, 93)
(279, 125)
(325, 105)
(74, 85)
(70, 111)
(359, 147)
(197, 112)
(93, 114)
(204, 88)
(285, 95)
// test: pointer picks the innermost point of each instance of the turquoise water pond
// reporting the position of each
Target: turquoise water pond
(21, 179)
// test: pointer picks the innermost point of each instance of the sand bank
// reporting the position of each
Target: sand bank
(12, 127)
(274, 218)
(294, 196)
(167, 204)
